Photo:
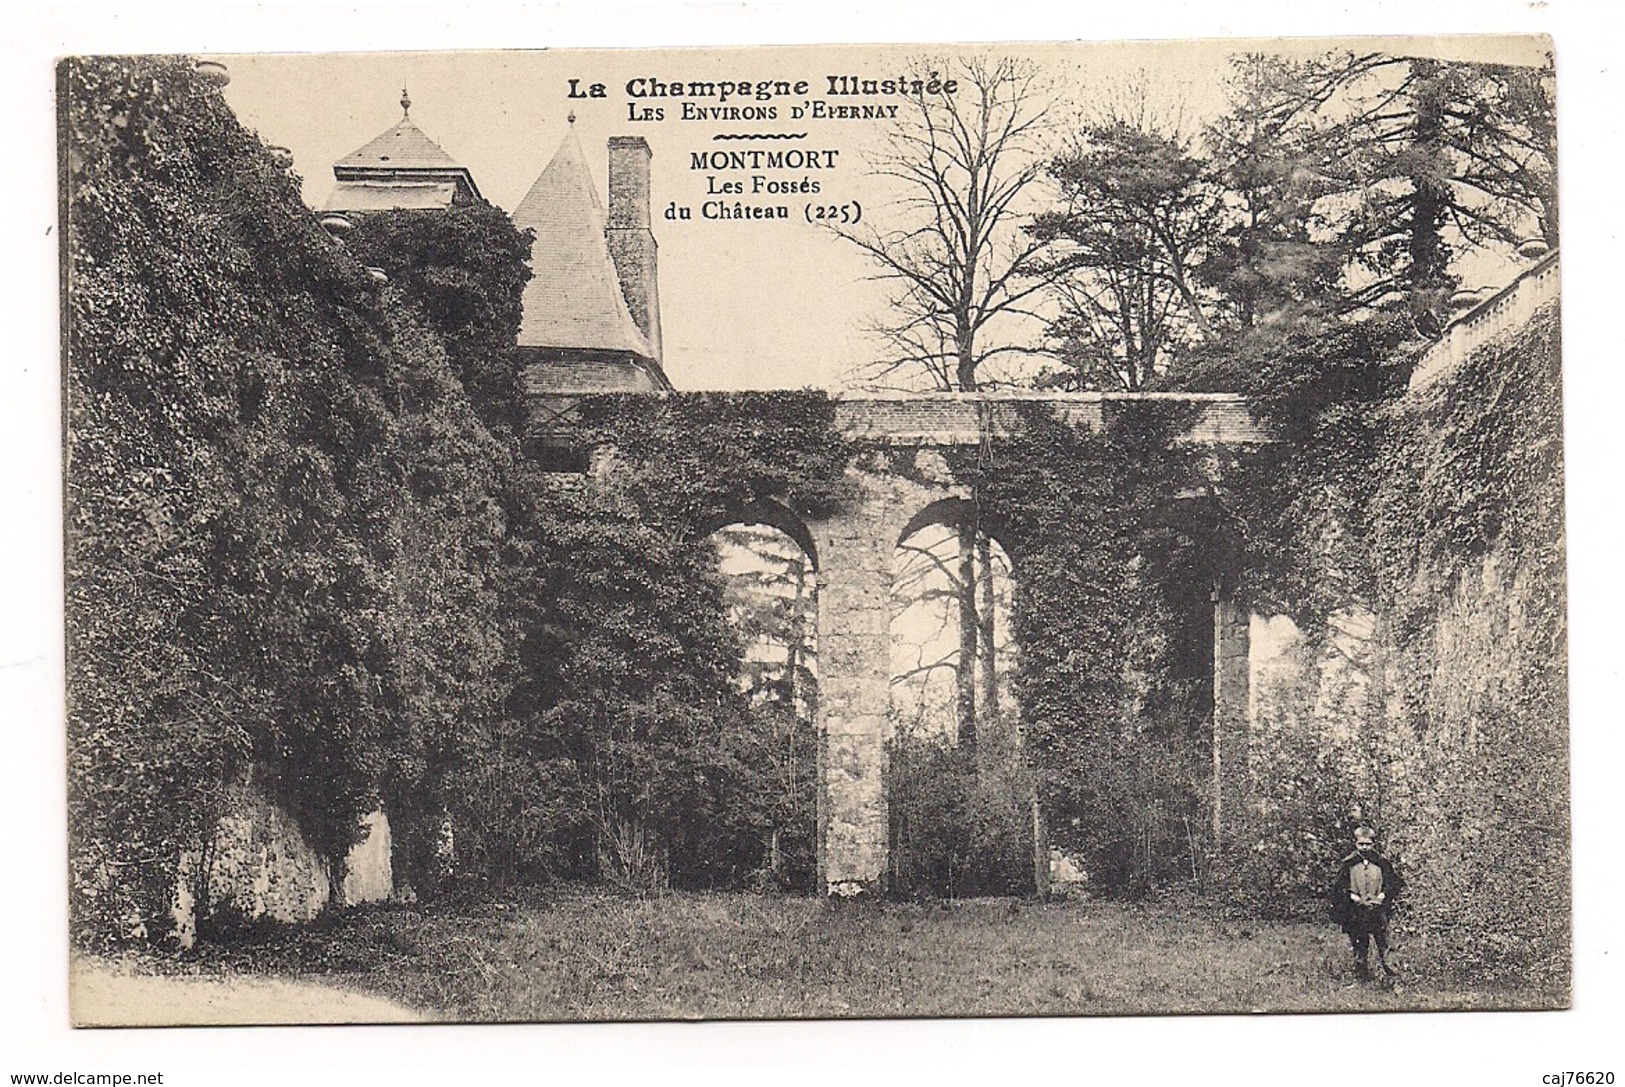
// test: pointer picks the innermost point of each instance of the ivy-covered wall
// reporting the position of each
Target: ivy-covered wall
(1439, 711)
(1470, 564)
(228, 488)
(265, 452)
(303, 548)
(1116, 560)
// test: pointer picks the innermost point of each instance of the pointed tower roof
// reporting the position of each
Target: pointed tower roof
(574, 298)
(403, 147)
(401, 167)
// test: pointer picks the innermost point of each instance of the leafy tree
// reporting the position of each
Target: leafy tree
(1274, 266)
(641, 694)
(464, 268)
(1355, 184)
(958, 791)
(1140, 219)
(1335, 189)
(633, 669)
(950, 652)
(1415, 159)
(771, 601)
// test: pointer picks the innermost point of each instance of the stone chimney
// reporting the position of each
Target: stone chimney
(631, 240)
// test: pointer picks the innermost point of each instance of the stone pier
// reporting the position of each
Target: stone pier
(1231, 650)
(856, 549)
(854, 632)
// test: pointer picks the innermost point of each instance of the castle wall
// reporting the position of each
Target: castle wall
(260, 868)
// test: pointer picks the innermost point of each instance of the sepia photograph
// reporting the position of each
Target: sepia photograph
(814, 532)
(723, 540)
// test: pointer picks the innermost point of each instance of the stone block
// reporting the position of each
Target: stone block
(368, 867)
(853, 698)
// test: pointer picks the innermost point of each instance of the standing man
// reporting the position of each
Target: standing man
(1363, 896)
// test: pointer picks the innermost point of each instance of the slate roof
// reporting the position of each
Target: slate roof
(400, 159)
(403, 147)
(574, 297)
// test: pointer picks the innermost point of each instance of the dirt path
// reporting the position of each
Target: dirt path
(104, 994)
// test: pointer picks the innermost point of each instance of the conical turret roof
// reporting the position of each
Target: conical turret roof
(574, 298)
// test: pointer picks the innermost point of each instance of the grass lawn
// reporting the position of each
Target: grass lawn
(571, 955)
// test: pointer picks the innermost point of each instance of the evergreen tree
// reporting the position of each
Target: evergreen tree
(1140, 220)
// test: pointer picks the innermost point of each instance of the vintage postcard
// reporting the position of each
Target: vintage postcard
(814, 532)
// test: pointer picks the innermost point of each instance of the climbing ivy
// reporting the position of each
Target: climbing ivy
(463, 269)
(1114, 567)
(690, 458)
(1298, 509)
(1468, 549)
(228, 489)
(1435, 519)
(286, 534)
(637, 659)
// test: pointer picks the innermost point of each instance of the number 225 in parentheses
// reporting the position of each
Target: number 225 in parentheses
(851, 212)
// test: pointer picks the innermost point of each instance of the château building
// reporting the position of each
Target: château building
(591, 311)
(401, 169)
(592, 307)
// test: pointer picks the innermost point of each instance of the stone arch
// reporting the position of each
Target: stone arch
(954, 719)
(770, 512)
(926, 568)
(773, 587)
(954, 510)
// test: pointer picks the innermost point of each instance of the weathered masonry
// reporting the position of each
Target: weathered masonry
(591, 324)
(853, 553)
(901, 484)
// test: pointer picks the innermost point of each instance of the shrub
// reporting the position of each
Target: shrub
(960, 819)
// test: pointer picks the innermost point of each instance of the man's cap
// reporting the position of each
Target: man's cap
(1365, 836)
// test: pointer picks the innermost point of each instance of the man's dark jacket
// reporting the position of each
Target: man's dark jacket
(1351, 917)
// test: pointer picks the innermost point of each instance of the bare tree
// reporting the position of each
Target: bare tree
(957, 255)
(948, 583)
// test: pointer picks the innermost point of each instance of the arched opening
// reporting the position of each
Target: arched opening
(1129, 737)
(960, 799)
(951, 649)
(771, 591)
(767, 513)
